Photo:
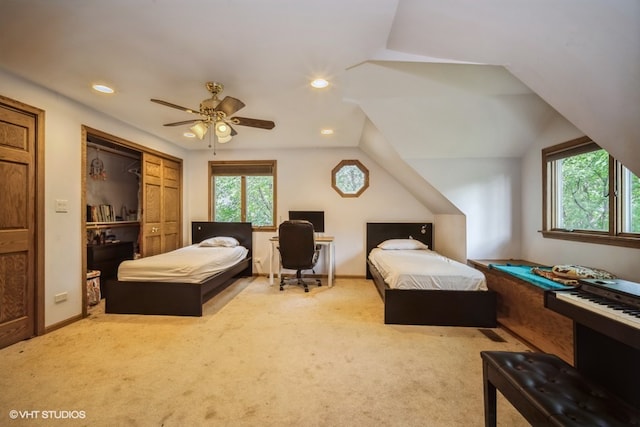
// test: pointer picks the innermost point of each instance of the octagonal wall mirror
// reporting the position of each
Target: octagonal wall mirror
(350, 178)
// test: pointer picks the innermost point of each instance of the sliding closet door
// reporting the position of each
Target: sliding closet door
(151, 205)
(172, 203)
(18, 223)
(162, 202)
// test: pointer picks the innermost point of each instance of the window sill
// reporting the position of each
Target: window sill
(576, 236)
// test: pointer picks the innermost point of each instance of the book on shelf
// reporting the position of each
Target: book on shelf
(101, 213)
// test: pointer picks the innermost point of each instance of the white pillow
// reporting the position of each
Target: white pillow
(220, 241)
(402, 244)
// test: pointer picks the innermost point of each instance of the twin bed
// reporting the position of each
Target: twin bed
(179, 282)
(421, 287)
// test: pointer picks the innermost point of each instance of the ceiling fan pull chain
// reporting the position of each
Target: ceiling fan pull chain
(214, 143)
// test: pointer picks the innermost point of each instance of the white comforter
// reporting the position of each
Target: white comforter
(425, 269)
(191, 264)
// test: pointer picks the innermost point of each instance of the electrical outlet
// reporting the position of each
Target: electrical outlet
(61, 297)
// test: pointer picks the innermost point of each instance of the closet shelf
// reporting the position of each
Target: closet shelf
(113, 224)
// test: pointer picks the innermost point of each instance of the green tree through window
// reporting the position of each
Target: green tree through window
(228, 199)
(584, 184)
(260, 200)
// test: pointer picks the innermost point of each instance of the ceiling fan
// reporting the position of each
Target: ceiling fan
(218, 113)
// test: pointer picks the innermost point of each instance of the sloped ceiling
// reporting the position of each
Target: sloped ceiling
(582, 57)
(435, 110)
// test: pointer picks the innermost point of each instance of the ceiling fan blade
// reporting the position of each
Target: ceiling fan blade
(184, 122)
(255, 123)
(229, 105)
(168, 104)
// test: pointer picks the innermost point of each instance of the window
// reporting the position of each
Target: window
(350, 178)
(243, 191)
(589, 196)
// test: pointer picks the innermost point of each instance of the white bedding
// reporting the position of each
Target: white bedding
(191, 264)
(425, 269)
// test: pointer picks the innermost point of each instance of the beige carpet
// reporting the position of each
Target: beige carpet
(258, 357)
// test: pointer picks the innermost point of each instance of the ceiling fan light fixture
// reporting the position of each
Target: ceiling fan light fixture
(223, 140)
(222, 129)
(217, 114)
(199, 129)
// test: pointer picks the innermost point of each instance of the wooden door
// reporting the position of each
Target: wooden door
(172, 203)
(151, 241)
(18, 203)
(161, 201)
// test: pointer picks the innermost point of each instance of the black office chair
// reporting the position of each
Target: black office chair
(298, 250)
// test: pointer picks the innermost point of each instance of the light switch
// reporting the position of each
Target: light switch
(62, 205)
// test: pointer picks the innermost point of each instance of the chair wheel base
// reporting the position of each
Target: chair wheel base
(301, 283)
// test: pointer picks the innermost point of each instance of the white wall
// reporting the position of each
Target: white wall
(450, 236)
(63, 242)
(304, 183)
(619, 260)
(487, 191)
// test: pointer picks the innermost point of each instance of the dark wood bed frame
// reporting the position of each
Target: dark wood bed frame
(182, 299)
(426, 307)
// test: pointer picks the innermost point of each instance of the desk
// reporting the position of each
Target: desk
(320, 240)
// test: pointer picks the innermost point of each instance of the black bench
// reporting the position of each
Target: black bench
(549, 392)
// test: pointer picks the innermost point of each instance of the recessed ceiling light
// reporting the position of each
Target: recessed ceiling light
(189, 134)
(327, 131)
(102, 88)
(319, 83)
